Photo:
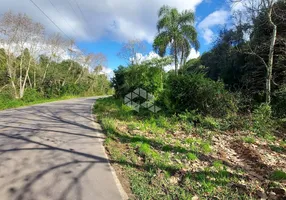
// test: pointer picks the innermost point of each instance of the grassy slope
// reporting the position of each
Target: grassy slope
(169, 158)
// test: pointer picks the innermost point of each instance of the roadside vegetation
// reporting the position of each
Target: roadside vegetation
(188, 155)
(36, 67)
(220, 133)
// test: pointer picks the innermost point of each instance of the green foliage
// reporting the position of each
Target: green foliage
(262, 122)
(206, 147)
(249, 139)
(44, 76)
(193, 66)
(32, 95)
(278, 149)
(145, 149)
(190, 116)
(278, 175)
(73, 89)
(109, 125)
(156, 163)
(6, 94)
(210, 123)
(218, 164)
(223, 61)
(192, 156)
(279, 102)
(237, 122)
(195, 92)
(237, 61)
(176, 30)
(148, 76)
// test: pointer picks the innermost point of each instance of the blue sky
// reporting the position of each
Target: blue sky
(102, 26)
(111, 47)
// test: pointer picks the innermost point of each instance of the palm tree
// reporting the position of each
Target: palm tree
(175, 31)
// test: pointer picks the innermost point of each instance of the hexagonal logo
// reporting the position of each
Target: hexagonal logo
(148, 103)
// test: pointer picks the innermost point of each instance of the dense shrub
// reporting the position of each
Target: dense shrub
(73, 89)
(144, 76)
(245, 103)
(195, 92)
(262, 122)
(31, 95)
(54, 91)
(279, 102)
(6, 94)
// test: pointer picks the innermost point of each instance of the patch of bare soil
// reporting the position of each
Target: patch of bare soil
(257, 160)
(251, 160)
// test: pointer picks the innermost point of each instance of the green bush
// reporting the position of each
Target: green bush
(145, 76)
(210, 123)
(6, 94)
(238, 122)
(262, 122)
(279, 102)
(31, 95)
(195, 92)
(73, 89)
(245, 102)
(190, 116)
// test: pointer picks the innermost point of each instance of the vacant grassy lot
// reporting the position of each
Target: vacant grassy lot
(191, 157)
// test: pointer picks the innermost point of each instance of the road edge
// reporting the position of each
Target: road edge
(51, 102)
(122, 192)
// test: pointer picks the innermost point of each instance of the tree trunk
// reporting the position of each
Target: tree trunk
(30, 83)
(176, 61)
(182, 55)
(11, 79)
(79, 77)
(35, 84)
(20, 76)
(45, 73)
(270, 58)
(22, 89)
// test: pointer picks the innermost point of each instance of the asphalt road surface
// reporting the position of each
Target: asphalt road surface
(54, 151)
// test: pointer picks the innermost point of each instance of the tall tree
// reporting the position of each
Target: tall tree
(19, 32)
(176, 29)
(130, 49)
(56, 45)
(266, 8)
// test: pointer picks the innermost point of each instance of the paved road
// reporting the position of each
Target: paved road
(54, 151)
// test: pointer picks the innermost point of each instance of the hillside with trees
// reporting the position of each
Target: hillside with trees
(221, 130)
(35, 66)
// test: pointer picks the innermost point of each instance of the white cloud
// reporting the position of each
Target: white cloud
(113, 19)
(242, 5)
(237, 6)
(108, 72)
(141, 58)
(219, 17)
(208, 35)
(193, 54)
